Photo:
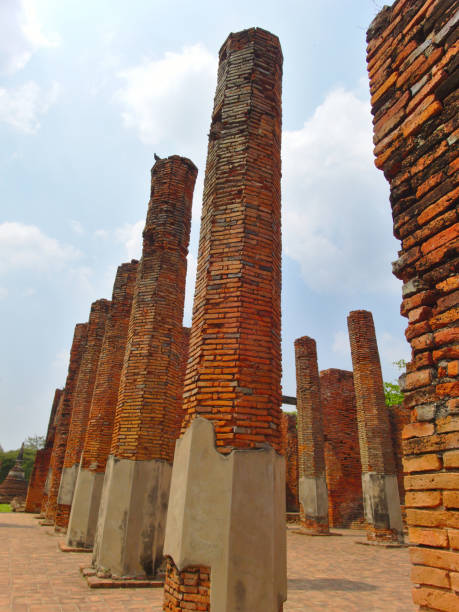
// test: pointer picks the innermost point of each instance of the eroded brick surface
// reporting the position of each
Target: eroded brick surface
(64, 416)
(412, 63)
(289, 448)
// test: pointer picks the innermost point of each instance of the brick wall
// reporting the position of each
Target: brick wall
(412, 64)
(56, 421)
(145, 421)
(234, 367)
(289, 448)
(342, 454)
(103, 404)
(63, 424)
(184, 351)
(399, 416)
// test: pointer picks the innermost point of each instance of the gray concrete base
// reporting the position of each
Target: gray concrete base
(228, 513)
(132, 517)
(67, 486)
(85, 509)
(313, 496)
(381, 501)
(49, 475)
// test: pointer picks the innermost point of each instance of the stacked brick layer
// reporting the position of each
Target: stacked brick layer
(234, 366)
(399, 416)
(413, 69)
(188, 590)
(63, 421)
(233, 375)
(41, 464)
(289, 449)
(56, 422)
(151, 380)
(184, 351)
(104, 398)
(342, 455)
(83, 396)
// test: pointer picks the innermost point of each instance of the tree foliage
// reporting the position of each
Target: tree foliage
(392, 392)
(8, 459)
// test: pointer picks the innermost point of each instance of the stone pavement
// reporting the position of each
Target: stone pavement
(325, 573)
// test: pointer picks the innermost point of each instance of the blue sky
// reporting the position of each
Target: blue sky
(90, 90)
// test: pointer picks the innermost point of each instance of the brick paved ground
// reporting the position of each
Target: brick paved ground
(325, 573)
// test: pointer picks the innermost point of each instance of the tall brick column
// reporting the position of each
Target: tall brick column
(381, 499)
(289, 436)
(342, 455)
(63, 424)
(313, 494)
(227, 501)
(90, 478)
(132, 516)
(412, 63)
(80, 412)
(46, 488)
(41, 463)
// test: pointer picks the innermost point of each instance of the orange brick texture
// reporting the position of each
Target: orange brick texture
(311, 455)
(41, 463)
(399, 416)
(83, 395)
(104, 398)
(289, 448)
(234, 366)
(342, 455)
(412, 62)
(184, 351)
(57, 418)
(145, 421)
(63, 422)
(376, 452)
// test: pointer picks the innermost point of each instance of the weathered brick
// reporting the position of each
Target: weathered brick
(425, 463)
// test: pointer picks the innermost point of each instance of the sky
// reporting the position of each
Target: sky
(89, 91)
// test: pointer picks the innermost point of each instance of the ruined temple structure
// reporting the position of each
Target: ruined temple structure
(226, 517)
(413, 70)
(15, 484)
(289, 439)
(64, 414)
(313, 494)
(40, 469)
(132, 516)
(80, 410)
(381, 500)
(342, 456)
(97, 442)
(46, 488)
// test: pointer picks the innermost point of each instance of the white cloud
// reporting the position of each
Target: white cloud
(20, 34)
(26, 246)
(131, 236)
(170, 99)
(76, 226)
(22, 106)
(336, 213)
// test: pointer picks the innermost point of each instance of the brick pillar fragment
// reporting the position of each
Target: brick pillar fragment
(412, 59)
(63, 422)
(41, 464)
(342, 455)
(227, 501)
(130, 532)
(90, 478)
(46, 488)
(80, 411)
(381, 499)
(313, 494)
(289, 436)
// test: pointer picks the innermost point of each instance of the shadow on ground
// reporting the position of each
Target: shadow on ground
(329, 584)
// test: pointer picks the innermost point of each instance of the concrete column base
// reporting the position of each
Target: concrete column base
(132, 517)
(381, 504)
(85, 509)
(67, 486)
(228, 513)
(313, 497)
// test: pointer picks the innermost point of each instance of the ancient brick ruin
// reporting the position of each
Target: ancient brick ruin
(137, 480)
(232, 392)
(98, 438)
(289, 448)
(342, 456)
(313, 494)
(412, 64)
(63, 422)
(40, 469)
(15, 484)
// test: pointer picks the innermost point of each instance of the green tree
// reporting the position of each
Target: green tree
(392, 391)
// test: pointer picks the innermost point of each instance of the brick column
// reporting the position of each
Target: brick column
(412, 64)
(381, 499)
(184, 353)
(342, 455)
(130, 531)
(41, 464)
(80, 412)
(62, 427)
(227, 505)
(46, 488)
(88, 487)
(313, 492)
(289, 437)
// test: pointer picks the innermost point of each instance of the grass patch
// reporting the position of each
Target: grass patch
(5, 508)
